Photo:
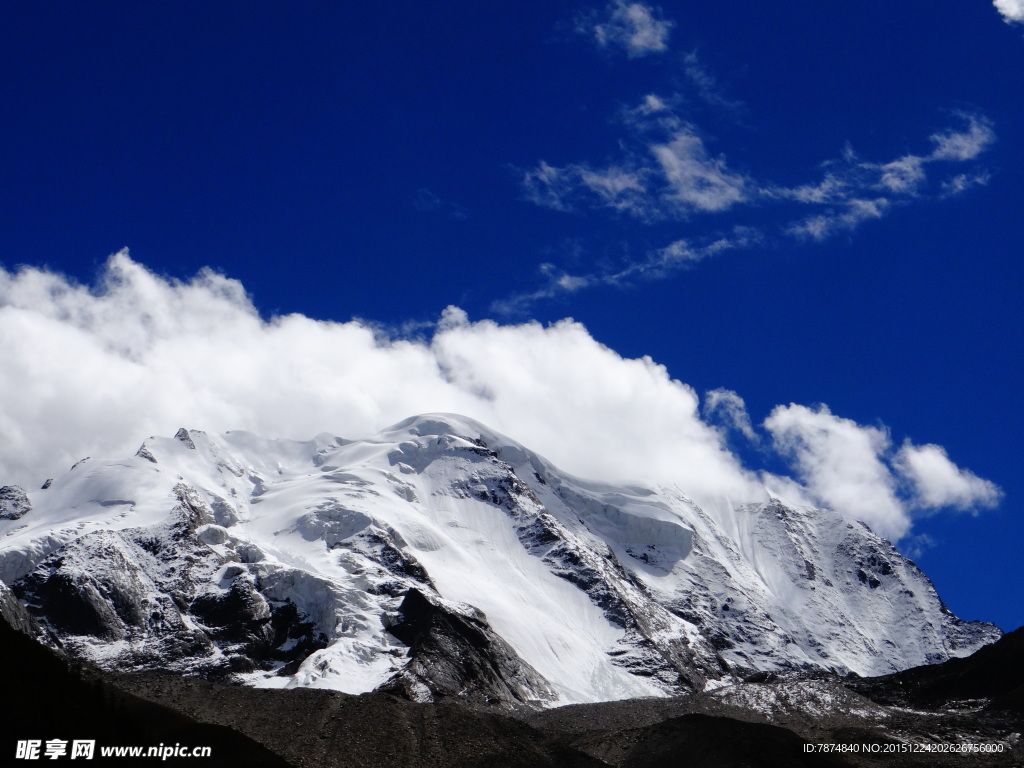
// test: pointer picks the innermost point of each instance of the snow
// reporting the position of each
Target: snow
(318, 523)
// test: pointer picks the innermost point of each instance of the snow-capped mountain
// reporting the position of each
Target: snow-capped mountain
(439, 558)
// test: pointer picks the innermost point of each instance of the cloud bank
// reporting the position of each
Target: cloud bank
(93, 370)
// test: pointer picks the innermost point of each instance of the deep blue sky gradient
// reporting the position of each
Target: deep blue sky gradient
(359, 159)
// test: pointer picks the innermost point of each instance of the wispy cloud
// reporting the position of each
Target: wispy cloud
(854, 191)
(903, 176)
(635, 28)
(622, 188)
(708, 88)
(844, 218)
(140, 354)
(656, 264)
(1012, 10)
(666, 173)
(428, 201)
(957, 185)
(963, 145)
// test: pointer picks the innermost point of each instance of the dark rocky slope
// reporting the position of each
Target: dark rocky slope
(994, 674)
(760, 724)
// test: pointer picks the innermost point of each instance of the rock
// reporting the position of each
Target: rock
(14, 613)
(14, 502)
(101, 595)
(183, 436)
(240, 614)
(459, 656)
(145, 453)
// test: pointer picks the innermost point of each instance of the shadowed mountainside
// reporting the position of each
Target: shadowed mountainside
(47, 698)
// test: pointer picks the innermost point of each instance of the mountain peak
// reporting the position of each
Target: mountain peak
(378, 563)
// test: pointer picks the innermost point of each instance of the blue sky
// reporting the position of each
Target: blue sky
(816, 204)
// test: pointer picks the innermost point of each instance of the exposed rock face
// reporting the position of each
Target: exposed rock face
(14, 613)
(455, 655)
(159, 598)
(14, 502)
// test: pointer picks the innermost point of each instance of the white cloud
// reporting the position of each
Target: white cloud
(666, 172)
(847, 218)
(551, 187)
(612, 184)
(963, 145)
(838, 461)
(695, 180)
(730, 408)
(656, 264)
(567, 188)
(833, 188)
(961, 182)
(938, 482)
(1012, 10)
(633, 27)
(851, 468)
(654, 114)
(903, 176)
(94, 370)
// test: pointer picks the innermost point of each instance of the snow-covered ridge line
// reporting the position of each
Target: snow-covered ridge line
(439, 558)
